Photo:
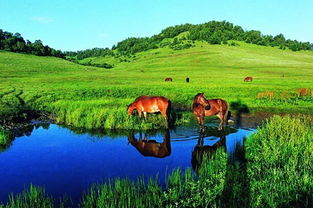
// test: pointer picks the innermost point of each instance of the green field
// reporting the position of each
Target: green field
(91, 97)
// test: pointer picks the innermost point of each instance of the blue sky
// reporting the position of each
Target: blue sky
(82, 24)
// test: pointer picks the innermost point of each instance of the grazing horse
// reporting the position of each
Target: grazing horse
(202, 107)
(152, 148)
(151, 104)
(168, 79)
(248, 79)
(187, 79)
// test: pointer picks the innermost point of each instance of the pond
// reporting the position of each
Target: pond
(68, 161)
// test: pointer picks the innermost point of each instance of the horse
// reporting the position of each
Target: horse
(187, 79)
(151, 104)
(202, 107)
(168, 79)
(248, 79)
(152, 148)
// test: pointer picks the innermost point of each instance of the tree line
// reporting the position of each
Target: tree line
(16, 43)
(213, 32)
(94, 52)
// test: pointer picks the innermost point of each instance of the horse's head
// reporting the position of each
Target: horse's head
(130, 109)
(200, 98)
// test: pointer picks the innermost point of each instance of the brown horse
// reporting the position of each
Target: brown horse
(151, 104)
(187, 79)
(168, 79)
(202, 107)
(248, 79)
(151, 147)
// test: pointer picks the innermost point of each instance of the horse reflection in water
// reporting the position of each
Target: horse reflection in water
(202, 151)
(152, 148)
(236, 183)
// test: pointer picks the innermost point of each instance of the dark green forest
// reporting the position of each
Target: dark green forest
(16, 43)
(213, 32)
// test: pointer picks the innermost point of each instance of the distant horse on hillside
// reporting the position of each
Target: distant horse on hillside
(248, 79)
(151, 104)
(152, 148)
(168, 79)
(202, 107)
(187, 79)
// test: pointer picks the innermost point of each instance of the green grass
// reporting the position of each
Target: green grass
(93, 97)
(280, 159)
(5, 139)
(32, 198)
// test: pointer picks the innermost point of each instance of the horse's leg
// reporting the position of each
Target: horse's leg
(164, 114)
(221, 117)
(225, 118)
(201, 123)
(139, 113)
(140, 136)
(145, 115)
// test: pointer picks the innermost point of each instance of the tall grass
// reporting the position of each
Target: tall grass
(5, 139)
(34, 197)
(280, 163)
(182, 189)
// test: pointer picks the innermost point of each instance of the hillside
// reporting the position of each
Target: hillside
(184, 36)
(95, 97)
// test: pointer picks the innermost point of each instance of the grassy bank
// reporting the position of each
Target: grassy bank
(275, 170)
(280, 159)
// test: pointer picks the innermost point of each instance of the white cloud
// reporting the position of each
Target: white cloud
(42, 19)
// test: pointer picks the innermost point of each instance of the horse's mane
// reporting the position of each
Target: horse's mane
(194, 99)
(198, 94)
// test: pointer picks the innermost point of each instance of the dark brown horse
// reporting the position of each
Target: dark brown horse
(151, 104)
(187, 79)
(152, 148)
(202, 107)
(248, 79)
(168, 79)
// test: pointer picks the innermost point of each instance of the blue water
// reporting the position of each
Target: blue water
(67, 163)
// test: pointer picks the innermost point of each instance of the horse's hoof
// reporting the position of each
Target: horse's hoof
(231, 122)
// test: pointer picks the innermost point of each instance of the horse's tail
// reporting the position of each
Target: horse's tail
(168, 110)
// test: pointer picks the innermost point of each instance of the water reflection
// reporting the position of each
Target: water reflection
(25, 130)
(200, 150)
(236, 192)
(28, 129)
(236, 186)
(208, 142)
(70, 161)
(151, 148)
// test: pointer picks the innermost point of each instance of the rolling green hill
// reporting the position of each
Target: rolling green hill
(92, 97)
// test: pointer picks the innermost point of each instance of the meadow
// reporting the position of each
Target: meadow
(278, 169)
(91, 97)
